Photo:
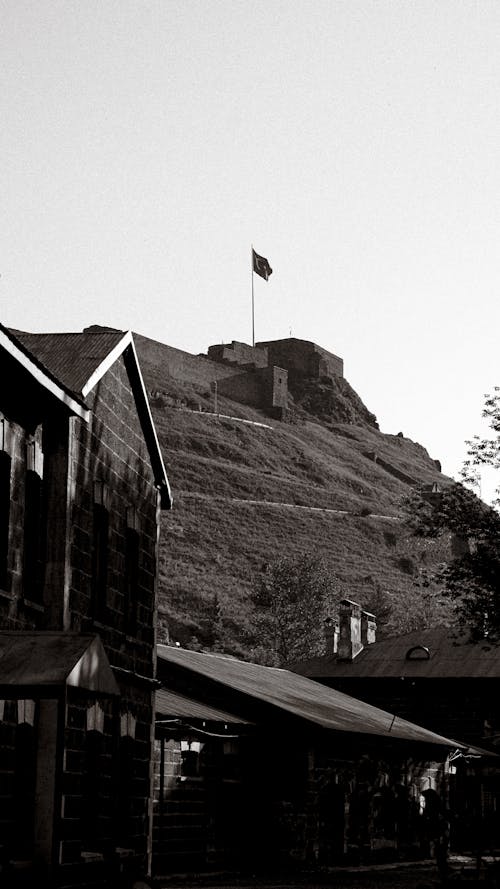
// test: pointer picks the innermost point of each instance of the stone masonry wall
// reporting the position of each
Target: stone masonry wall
(18, 611)
(112, 449)
(275, 386)
(157, 359)
(246, 388)
(235, 378)
(238, 353)
(303, 358)
(104, 783)
(247, 374)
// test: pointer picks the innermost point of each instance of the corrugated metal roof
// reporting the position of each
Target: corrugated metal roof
(44, 659)
(451, 656)
(70, 357)
(302, 697)
(169, 703)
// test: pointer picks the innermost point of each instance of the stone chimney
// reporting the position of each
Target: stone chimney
(331, 636)
(350, 643)
(368, 628)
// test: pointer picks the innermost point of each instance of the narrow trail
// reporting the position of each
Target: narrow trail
(277, 504)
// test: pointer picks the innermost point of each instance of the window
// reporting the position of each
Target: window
(5, 468)
(126, 792)
(18, 745)
(191, 758)
(34, 538)
(100, 533)
(132, 541)
(93, 779)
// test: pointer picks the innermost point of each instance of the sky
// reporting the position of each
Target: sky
(146, 145)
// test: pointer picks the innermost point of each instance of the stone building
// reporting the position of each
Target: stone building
(82, 483)
(260, 769)
(440, 678)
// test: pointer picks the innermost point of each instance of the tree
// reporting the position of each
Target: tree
(485, 451)
(292, 601)
(471, 579)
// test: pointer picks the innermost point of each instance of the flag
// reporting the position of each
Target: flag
(261, 266)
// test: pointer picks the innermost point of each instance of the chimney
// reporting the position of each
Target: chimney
(350, 643)
(368, 628)
(331, 636)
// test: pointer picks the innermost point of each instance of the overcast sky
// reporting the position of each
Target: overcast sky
(146, 145)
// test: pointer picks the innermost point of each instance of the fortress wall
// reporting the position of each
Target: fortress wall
(303, 358)
(330, 365)
(238, 353)
(243, 387)
(235, 370)
(159, 359)
(297, 356)
(274, 387)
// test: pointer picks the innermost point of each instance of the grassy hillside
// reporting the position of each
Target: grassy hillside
(328, 482)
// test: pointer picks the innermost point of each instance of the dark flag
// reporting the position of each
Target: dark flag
(261, 266)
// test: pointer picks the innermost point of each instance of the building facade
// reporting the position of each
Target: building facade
(82, 484)
(445, 681)
(259, 769)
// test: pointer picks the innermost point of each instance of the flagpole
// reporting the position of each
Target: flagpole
(253, 309)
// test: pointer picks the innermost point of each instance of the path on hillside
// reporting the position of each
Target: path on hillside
(195, 495)
(382, 465)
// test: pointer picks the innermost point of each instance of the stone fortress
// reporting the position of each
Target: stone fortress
(255, 375)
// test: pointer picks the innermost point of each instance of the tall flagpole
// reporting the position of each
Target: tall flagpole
(253, 310)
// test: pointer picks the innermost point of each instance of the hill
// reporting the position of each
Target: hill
(249, 489)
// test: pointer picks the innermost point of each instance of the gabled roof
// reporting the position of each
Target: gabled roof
(77, 361)
(72, 358)
(54, 659)
(11, 343)
(294, 694)
(435, 654)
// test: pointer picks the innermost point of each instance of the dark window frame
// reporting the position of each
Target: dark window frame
(100, 551)
(5, 498)
(33, 537)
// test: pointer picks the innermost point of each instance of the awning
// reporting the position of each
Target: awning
(44, 660)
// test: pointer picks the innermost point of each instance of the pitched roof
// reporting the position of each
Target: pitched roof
(54, 659)
(449, 655)
(169, 703)
(294, 694)
(77, 361)
(71, 357)
(10, 343)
